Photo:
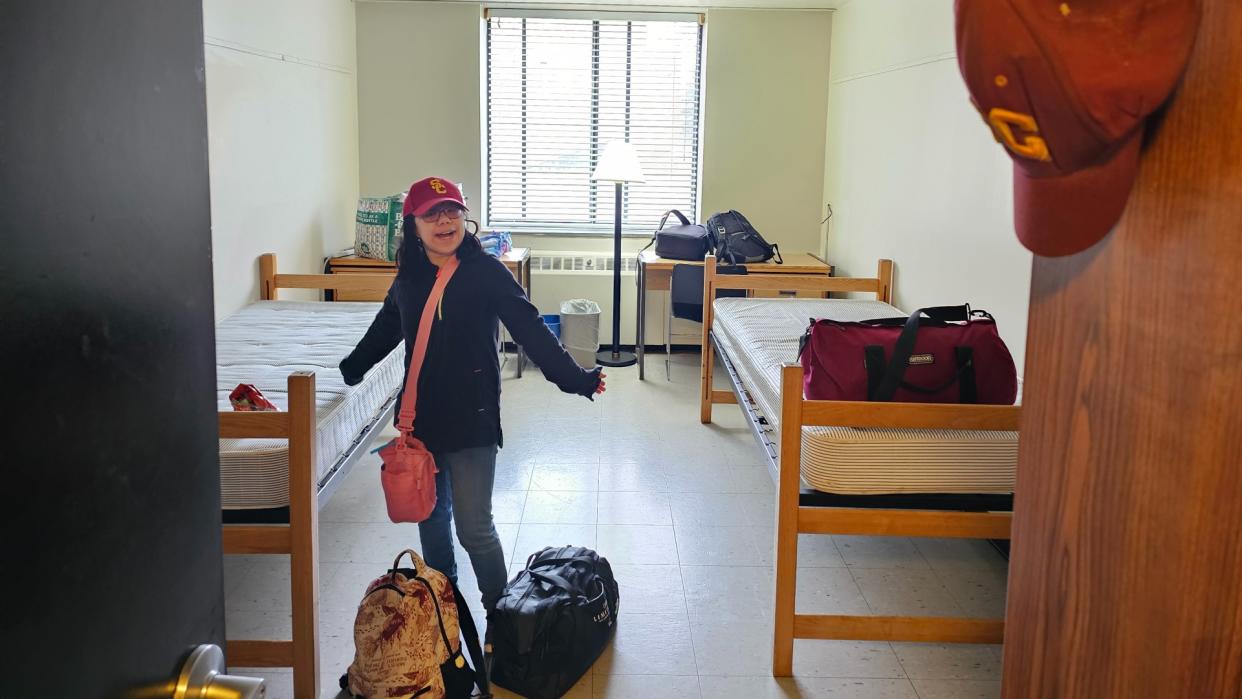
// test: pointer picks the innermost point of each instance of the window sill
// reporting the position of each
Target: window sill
(569, 234)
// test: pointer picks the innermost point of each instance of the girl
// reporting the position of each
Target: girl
(458, 405)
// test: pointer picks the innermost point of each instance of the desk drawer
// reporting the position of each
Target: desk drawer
(361, 295)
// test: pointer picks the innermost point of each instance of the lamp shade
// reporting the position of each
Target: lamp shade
(619, 163)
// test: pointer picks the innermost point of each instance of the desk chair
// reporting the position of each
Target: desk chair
(685, 298)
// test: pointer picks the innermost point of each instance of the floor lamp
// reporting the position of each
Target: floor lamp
(619, 164)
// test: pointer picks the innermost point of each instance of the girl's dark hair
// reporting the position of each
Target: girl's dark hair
(411, 254)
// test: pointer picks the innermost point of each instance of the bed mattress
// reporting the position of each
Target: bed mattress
(265, 342)
(848, 460)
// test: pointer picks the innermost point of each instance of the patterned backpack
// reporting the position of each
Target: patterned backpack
(406, 638)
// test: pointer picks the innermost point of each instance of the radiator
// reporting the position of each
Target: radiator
(559, 275)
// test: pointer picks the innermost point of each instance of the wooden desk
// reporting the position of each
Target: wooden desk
(656, 273)
(517, 260)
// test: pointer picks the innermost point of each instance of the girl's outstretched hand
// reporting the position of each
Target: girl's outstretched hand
(600, 388)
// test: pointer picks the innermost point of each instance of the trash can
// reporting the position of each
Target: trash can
(580, 330)
(553, 322)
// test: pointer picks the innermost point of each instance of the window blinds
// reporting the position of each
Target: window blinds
(560, 88)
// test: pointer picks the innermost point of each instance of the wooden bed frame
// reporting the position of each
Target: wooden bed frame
(300, 536)
(803, 511)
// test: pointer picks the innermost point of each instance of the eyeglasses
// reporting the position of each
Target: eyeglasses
(453, 211)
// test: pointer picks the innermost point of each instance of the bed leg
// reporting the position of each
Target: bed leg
(304, 530)
(705, 397)
(707, 358)
(790, 477)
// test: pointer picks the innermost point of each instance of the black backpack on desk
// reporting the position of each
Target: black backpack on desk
(737, 241)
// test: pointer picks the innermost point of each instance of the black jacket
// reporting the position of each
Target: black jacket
(459, 387)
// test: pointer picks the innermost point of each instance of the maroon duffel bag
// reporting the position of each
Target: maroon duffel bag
(953, 355)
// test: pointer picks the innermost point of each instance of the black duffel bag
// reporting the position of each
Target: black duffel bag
(552, 622)
(685, 241)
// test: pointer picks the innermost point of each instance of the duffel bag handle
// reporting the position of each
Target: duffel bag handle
(531, 563)
(680, 216)
(904, 348)
(558, 581)
(553, 579)
(660, 227)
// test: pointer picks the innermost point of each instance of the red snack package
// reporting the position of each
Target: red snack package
(247, 398)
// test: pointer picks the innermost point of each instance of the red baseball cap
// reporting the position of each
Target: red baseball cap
(427, 193)
(1067, 87)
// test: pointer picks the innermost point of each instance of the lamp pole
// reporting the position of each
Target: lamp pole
(616, 357)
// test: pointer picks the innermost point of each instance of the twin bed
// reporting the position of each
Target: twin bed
(884, 469)
(278, 468)
(880, 469)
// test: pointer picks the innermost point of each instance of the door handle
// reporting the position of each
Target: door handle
(202, 677)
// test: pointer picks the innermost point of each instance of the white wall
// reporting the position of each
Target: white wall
(283, 137)
(767, 95)
(911, 171)
(419, 95)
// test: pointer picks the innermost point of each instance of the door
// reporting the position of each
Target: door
(1124, 578)
(110, 469)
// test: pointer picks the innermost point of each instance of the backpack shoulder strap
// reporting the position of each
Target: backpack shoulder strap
(466, 621)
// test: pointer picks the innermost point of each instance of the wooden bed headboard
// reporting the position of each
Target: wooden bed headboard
(881, 285)
(270, 281)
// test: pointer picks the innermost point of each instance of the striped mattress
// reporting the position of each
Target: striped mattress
(848, 460)
(265, 342)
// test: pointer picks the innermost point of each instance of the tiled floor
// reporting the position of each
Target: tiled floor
(684, 512)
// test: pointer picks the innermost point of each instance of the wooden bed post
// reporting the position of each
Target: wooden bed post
(790, 479)
(304, 531)
(267, 277)
(884, 273)
(708, 358)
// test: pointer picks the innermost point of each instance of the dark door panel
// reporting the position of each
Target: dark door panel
(111, 475)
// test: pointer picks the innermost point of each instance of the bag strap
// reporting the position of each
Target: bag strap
(675, 212)
(964, 377)
(776, 250)
(905, 346)
(419, 565)
(409, 401)
(531, 563)
(466, 620)
(969, 391)
(553, 579)
(479, 678)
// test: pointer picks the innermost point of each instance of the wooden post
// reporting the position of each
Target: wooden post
(788, 486)
(708, 358)
(1126, 570)
(884, 273)
(304, 524)
(267, 277)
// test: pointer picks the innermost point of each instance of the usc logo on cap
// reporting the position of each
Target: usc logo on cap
(437, 186)
(1003, 122)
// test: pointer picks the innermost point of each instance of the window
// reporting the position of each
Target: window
(560, 88)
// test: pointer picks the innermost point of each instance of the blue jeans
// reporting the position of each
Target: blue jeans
(464, 488)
